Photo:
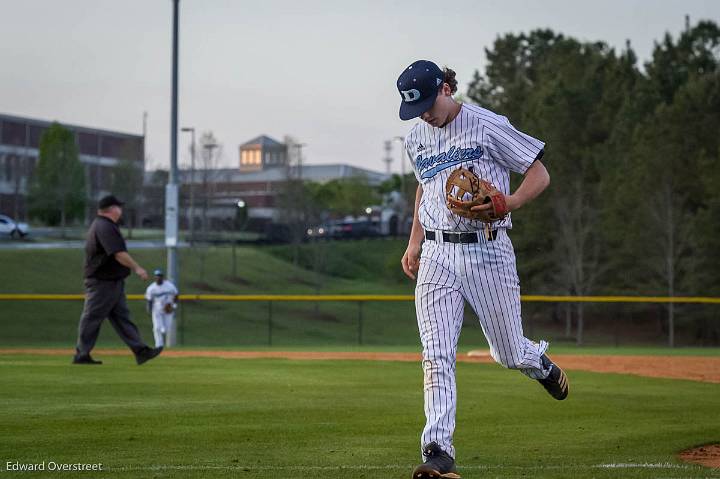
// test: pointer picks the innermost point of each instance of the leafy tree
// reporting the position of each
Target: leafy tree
(695, 53)
(346, 196)
(127, 183)
(567, 93)
(57, 191)
(672, 152)
(665, 130)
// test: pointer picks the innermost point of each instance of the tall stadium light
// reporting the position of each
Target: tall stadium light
(171, 190)
(191, 214)
(402, 161)
(299, 147)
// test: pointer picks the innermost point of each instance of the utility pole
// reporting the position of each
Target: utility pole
(171, 190)
(299, 147)
(388, 157)
(206, 185)
(405, 203)
(191, 215)
(402, 163)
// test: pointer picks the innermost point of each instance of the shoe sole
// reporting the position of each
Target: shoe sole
(422, 472)
(564, 385)
(146, 359)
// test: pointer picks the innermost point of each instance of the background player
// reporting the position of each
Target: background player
(161, 299)
(462, 259)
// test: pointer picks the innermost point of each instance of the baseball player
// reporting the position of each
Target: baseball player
(459, 249)
(161, 299)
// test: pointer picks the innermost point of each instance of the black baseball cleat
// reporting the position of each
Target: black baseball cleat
(557, 382)
(85, 359)
(438, 464)
(147, 354)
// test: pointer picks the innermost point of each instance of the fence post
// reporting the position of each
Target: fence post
(234, 261)
(360, 322)
(182, 325)
(269, 323)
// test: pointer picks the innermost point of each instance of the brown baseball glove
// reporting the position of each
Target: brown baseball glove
(464, 190)
(168, 308)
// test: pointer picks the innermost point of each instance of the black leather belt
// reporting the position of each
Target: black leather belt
(461, 238)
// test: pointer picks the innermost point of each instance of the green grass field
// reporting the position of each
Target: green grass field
(207, 418)
(348, 267)
(214, 418)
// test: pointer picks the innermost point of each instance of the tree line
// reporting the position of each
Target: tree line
(632, 150)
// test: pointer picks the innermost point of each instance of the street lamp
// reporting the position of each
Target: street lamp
(299, 147)
(209, 147)
(191, 215)
(402, 153)
(402, 176)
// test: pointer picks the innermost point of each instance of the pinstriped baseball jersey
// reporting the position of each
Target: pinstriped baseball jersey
(482, 273)
(476, 138)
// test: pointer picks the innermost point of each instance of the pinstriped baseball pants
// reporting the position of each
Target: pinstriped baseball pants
(483, 274)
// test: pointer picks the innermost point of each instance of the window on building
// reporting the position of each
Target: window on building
(88, 143)
(13, 133)
(9, 160)
(31, 164)
(36, 133)
(111, 146)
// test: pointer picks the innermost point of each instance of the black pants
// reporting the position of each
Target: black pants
(106, 299)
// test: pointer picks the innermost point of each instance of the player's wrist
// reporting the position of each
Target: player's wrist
(513, 202)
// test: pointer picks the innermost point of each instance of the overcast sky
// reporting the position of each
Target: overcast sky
(322, 71)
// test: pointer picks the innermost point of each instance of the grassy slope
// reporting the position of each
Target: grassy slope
(220, 324)
(205, 418)
(347, 266)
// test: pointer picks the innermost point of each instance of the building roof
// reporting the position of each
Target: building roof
(318, 173)
(263, 141)
(84, 129)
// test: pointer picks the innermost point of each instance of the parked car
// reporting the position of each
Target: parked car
(11, 228)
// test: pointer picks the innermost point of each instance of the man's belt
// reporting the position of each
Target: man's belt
(462, 238)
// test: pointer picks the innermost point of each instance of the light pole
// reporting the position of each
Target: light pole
(209, 147)
(402, 178)
(191, 219)
(299, 147)
(171, 190)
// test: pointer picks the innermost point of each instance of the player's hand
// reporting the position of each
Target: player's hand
(510, 201)
(411, 260)
(482, 207)
(142, 273)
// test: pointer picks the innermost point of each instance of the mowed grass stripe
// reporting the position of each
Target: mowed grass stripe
(213, 418)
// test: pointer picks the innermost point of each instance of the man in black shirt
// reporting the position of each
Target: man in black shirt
(107, 264)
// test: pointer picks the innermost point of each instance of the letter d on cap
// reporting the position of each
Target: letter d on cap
(410, 95)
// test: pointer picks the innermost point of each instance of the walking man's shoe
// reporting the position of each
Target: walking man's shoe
(147, 354)
(85, 360)
(557, 382)
(438, 464)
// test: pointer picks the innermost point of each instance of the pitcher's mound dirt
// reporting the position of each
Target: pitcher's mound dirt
(708, 455)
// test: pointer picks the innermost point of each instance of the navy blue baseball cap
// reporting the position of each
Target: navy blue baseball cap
(418, 85)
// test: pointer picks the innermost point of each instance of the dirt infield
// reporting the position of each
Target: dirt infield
(708, 455)
(693, 368)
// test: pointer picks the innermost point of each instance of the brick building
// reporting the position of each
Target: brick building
(100, 151)
(257, 182)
